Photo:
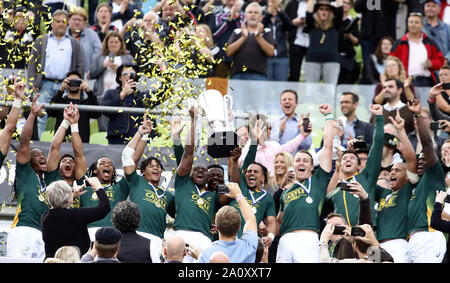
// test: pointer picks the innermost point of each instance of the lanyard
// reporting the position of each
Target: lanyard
(198, 191)
(42, 189)
(307, 190)
(156, 192)
(259, 198)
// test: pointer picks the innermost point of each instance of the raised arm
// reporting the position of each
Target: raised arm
(13, 117)
(23, 154)
(424, 136)
(77, 145)
(132, 153)
(187, 160)
(55, 147)
(246, 210)
(325, 158)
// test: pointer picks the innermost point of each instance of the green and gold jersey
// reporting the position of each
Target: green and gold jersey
(32, 200)
(347, 204)
(423, 197)
(154, 204)
(392, 212)
(195, 209)
(116, 193)
(302, 203)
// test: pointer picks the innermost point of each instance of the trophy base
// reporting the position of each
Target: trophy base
(220, 144)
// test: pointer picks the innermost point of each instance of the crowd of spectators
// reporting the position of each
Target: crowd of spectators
(381, 176)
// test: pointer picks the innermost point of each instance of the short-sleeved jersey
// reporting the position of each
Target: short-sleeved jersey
(194, 210)
(299, 212)
(154, 204)
(32, 200)
(423, 197)
(392, 212)
(116, 193)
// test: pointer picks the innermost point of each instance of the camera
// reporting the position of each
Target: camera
(339, 230)
(360, 143)
(357, 231)
(75, 83)
(434, 126)
(343, 185)
(222, 189)
(446, 86)
(305, 125)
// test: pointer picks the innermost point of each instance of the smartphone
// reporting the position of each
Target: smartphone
(446, 86)
(86, 183)
(357, 231)
(222, 189)
(305, 125)
(339, 230)
(434, 126)
(343, 185)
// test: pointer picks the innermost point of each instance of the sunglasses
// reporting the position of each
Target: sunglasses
(126, 73)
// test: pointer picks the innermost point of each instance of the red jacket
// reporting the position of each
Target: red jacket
(401, 51)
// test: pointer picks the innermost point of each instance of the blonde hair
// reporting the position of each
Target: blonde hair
(59, 193)
(288, 160)
(324, 24)
(69, 254)
(401, 68)
(207, 40)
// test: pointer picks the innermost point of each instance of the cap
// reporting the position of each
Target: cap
(108, 236)
(79, 11)
(435, 1)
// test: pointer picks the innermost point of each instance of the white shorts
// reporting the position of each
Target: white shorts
(25, 242)
(155, 246)
(298, 247)
(427, 247)
(398, 249)
(197, 239)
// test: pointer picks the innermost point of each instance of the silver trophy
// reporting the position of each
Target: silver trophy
(213, 106)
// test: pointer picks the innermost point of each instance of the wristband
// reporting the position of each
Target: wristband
(65, 124)
(74, 128)
(328, 116)
(144, 137)
(238, 197)
(418, 115)
(17, 103)
(271, 236)
(432, 100)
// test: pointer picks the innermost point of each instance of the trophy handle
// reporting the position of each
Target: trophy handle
(228, 104)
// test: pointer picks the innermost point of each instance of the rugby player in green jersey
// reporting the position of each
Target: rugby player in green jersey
(392, 210)
(33, 173)
(301, 204)
(425, 244)
(154, 201)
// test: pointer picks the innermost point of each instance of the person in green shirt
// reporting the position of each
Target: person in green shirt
(425, 244)
(301, 204)
(392, 211)
(195, 204)
(342, 202)
(154, 201)
(33, 173)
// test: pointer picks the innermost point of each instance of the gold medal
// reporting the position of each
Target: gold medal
(254, 210)
(41, 198)
(200, 201)
(158, 204)
(309, 199)
(94, 196)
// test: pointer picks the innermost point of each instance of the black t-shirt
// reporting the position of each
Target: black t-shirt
(250, 57)
(323, 44)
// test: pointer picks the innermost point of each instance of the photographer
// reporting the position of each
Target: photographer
(122, 126)
(364, 244)
(76, 91)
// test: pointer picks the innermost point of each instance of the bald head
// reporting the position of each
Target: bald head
(175, 248)
(219, 257)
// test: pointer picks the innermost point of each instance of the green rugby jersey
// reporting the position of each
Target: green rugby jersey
(194, 210)
(347, 204)
(154, 204)
(423, 197)
(116, 193)
(32, 200)
(298, 213)
(2, 158)
(392, 212)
